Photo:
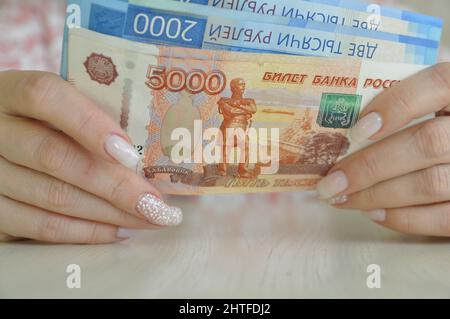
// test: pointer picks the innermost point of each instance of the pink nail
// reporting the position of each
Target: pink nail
(125, 233)
(122, 151)
(366, 127)
(332, 185)
(338, 200)
(377, 215)
(157, 212)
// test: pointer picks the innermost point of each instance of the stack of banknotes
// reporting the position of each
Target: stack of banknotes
(226, 96)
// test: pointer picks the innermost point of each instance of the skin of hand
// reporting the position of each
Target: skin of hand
(68, 171)
(402, 181)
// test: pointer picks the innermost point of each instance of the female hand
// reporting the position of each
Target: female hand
(403, 181)
(65, 185)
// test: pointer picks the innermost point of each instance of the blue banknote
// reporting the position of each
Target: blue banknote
(356, 14)
(204, 27)
(362, 6)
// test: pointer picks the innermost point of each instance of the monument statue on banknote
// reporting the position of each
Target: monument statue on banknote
(237, 113)
(180, 109)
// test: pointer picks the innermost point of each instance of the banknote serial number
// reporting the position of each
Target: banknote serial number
(195, 81)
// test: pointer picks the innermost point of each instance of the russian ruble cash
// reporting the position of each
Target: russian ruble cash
(206, 27)
(356, 14)
(208, 122)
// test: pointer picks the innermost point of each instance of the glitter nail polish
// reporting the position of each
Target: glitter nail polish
(157, 212)
(339, 200)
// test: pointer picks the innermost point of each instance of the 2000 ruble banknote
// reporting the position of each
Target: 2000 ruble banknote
(190, 25)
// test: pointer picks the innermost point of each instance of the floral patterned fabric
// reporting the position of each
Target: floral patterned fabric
(31, 36)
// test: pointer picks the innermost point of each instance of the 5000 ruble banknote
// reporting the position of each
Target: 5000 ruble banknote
(221, 122)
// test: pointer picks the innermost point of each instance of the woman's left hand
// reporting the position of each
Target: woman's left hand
(402, 181)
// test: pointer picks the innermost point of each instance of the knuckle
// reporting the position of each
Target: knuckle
(401, 222)
(436, 181)
(118, 186)
(441, 73)
(408, 223)
(62, 195)
(93, 234)
(371, 195)
(443, 222)
(433, 139)
(7, 187)
(370, 165)
(398, 98)
(51, 229)
(52, 152)
(38, 87)
(365, 198)
(86, 120)
(123, 217)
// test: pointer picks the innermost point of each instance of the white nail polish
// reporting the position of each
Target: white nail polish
(122, 151)
(366, 127)
(157, 212)
(332, 185)
(377, 215)
(125, 233)
(338, 200)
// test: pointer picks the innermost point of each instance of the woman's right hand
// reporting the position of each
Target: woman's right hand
(65, 185)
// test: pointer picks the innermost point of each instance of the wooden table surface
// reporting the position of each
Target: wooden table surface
(258, 246)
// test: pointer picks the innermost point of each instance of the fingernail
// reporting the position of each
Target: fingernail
(377, 215)
(157, 212)
(122, 151)
(125, 233)
(367, 127)
(332, 185)
(338, 200)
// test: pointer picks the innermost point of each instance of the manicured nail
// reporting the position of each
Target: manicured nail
(332, 185)
(367, 127)
(338, 200)
(377, 215)
(122, 151)
(157, 212)
(125, 233)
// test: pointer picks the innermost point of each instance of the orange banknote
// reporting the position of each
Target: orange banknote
(208, 122)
